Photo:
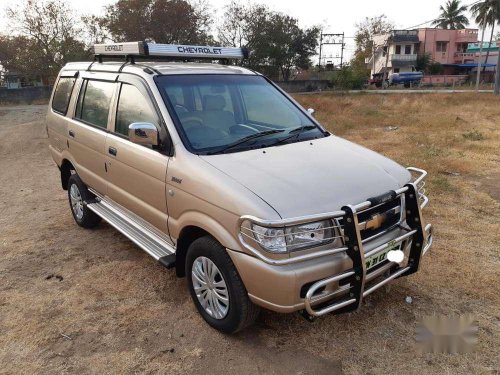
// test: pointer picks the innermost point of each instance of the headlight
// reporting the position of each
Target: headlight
(282, 240)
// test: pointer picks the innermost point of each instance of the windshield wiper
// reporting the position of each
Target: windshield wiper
(246, 139)
(295, 133)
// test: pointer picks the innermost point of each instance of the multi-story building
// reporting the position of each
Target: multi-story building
(397, 51)
(394, 52)
(448, 47)
(489, 54)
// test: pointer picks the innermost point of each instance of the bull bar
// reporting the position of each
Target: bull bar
(418, 238)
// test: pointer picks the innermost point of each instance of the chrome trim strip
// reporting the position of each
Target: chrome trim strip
(425, 202)
(309, 296)
(423, 174)
(297, 259)
(293, 220)
(390, 243)
(428, 230)
(385, 281)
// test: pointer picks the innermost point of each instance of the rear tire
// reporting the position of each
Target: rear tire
(207, 257)
(78, 195)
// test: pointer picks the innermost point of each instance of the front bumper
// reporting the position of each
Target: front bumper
(339, 280)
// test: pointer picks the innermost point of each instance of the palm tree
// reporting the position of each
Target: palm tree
(487, 13)
(452, 16)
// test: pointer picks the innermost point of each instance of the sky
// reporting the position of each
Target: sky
(335, 16)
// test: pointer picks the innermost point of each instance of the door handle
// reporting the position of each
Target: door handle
(113, 151)
(71, 134)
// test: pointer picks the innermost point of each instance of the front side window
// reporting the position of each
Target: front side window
(132, 107)
(229, 113)
(62, 94)
(94, 102)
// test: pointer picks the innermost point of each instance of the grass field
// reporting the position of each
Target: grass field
(79, 301)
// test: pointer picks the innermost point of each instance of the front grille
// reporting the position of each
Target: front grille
(378, 219)
(390, 210)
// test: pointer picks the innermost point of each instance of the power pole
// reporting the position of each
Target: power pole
(481, 53)
(320, 44)
(342, 51)
(332, 39)
(497, 76)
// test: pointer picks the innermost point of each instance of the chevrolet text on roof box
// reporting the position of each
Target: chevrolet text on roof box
(169, 50)
(213, 170)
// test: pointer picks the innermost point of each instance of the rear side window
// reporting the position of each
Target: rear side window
(63, 94)
(94, 102)
(132, 107)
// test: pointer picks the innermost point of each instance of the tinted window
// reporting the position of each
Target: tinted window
(221, 110)
(62, 94)
(267, 106)
(132, 107)
(93, 106)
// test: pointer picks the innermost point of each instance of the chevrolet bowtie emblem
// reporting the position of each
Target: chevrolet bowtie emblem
(375, 221)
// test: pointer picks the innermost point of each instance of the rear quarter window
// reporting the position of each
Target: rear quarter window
(62, 94)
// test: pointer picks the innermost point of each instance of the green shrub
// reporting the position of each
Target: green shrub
(473, 135)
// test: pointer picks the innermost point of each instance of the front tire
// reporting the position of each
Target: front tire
(78, 194)
(216, 288)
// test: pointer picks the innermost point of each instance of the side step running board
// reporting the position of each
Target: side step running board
(146, 239)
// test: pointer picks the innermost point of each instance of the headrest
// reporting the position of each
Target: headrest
(213, 102)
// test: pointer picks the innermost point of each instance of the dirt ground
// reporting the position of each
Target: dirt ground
(89, 301)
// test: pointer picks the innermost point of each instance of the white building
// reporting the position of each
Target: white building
(394, 52)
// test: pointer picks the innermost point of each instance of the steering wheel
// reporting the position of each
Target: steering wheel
(182, 108)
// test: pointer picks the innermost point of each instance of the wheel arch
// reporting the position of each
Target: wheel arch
(187, 236)
(66, 168)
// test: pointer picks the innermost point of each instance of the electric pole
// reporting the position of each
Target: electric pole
(481, 53)
(332, 39)
(497, 76)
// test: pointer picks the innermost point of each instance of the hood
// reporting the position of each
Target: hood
(312, 177)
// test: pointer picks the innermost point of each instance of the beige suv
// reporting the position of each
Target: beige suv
(213, 170)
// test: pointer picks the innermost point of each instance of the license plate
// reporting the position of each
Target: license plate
(379, 257)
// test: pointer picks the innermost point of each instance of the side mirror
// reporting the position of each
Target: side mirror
(311, 111)
(143, 133)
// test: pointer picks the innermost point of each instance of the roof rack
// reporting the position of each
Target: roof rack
(132, 50)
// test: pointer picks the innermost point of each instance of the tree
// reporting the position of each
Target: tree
(95, 29)
(452, 16)
(363, 37)
(161, 21)
(240, 24)
(424, 60)
(275, 39)
(487, 13)
(47, 39)
(366, 29)
(435, 68)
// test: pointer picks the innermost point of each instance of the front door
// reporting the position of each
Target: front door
(136, 174)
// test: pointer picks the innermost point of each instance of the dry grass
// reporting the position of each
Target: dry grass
(446, 135)
(124, 313)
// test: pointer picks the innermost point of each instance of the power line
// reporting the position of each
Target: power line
(424, 23)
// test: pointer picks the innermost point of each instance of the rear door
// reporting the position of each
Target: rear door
(136, 173)
(88, 128)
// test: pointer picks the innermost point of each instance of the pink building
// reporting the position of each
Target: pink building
(397, 51)
(448, 47)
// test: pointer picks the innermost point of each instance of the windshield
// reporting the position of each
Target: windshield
(230, 113)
